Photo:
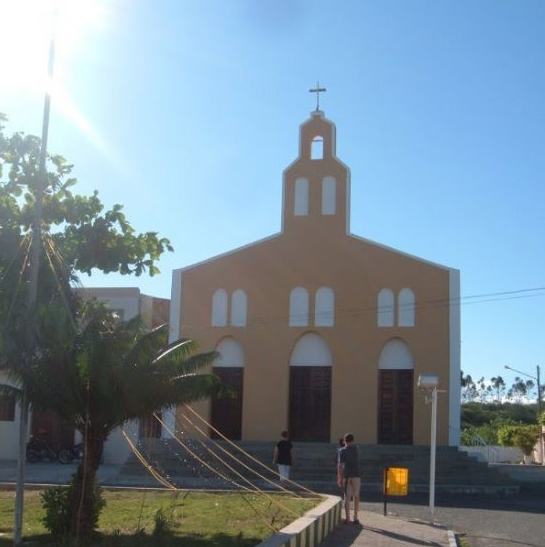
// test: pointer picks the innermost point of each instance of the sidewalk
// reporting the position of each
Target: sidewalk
(377, 530)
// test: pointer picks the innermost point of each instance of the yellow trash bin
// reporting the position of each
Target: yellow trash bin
(397, 481)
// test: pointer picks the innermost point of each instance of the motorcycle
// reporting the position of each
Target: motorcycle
(39, 450)
(69, 455)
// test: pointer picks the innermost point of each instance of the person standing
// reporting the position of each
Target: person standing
(283, 456)
(337, 459)
(348, 476)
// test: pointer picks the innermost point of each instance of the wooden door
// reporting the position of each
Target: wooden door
(149, 427)
(227, 412)
(49, 429)
(395, 413)
(310, 403)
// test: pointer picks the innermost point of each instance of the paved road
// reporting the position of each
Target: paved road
(485, 521)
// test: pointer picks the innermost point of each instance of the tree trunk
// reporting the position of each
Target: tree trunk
(83, 502)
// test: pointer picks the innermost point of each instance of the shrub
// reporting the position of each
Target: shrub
(55, 501)
(470, 436)
(59, 506)
(526, 438)
(522, 436)
(163, 521)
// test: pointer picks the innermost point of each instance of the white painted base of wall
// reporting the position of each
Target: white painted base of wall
(494, 454)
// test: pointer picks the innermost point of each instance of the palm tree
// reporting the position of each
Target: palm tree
(112, 372)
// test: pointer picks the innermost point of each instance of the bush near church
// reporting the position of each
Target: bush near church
(524, 437)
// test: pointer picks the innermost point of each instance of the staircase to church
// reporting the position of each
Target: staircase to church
(314, 467)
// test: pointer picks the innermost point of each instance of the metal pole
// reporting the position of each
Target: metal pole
(541, 435)
(433, 444)
(385, 491)
(34, 269)
(538, 391)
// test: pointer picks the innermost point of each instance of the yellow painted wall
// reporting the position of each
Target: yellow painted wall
(315, 251)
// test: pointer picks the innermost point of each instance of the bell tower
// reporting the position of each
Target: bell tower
(316, 186)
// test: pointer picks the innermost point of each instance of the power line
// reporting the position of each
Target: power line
(435, 304)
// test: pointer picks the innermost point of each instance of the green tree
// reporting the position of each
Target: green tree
(498, 383)
(109, 373)
(520, 389)
(78, 236)
(524, 437)
(469, 389)
(477, 414)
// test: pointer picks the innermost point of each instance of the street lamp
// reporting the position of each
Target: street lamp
(537, 379)
(429, 383)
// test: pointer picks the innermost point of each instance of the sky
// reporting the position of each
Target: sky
(187, 112)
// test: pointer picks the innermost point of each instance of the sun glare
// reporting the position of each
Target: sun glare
(27, 27)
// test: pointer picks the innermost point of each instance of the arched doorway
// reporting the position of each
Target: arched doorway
(227, 412)
(395, 394)
(310, 389)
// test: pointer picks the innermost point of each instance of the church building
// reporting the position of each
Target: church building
(321, 331)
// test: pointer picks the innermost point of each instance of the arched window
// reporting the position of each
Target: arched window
(231, 353)
(299, 307)
(317, 148)
(324, 307)
(300, 206)
(405, 303)
(239, 307)
(328, 196)
(311, 350)
(385, 305)
(219, 308)
(396, 355)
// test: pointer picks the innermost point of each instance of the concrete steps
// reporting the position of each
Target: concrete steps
(315, 466)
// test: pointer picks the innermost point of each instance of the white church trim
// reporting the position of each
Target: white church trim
(299, 306)
(231, 353)
(396, 355)
(220, 302)
(455, 357)
(311, 350)
(385, 308)
(300, 198)
(405, 308)
(168, 414)
(329, 195)
(239, 308)
(324, 307)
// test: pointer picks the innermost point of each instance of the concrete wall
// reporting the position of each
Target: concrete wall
(9, 431)
(495, 454)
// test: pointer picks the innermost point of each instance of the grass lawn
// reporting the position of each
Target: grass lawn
(199, 519)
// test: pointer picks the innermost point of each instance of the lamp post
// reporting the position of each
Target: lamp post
(34, 269)
(537, 378)
(429, 383)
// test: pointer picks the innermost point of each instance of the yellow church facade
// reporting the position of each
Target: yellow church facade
(321, 331)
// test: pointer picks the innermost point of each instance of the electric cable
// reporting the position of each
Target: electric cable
(243, 451)
(257, 489)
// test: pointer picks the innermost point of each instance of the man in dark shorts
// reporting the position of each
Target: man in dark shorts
(283, 456)
(348, 476)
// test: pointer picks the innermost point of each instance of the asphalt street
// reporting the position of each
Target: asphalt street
(484, 521)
